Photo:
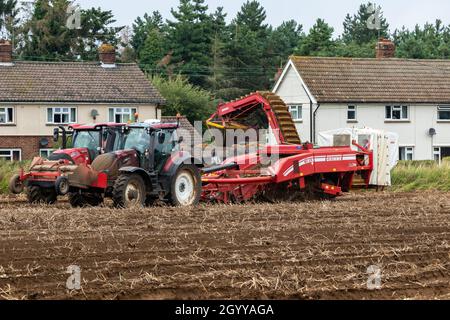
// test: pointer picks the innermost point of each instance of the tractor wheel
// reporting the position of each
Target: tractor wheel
(62, 186)
(34, 194)
(15, 185)
(81, 200)
(41, 195)
(186, 186)
(77, 200)
(49, 196)
(129, 191)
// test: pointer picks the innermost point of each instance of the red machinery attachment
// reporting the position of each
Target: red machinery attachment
(295, 170)
(259, 110)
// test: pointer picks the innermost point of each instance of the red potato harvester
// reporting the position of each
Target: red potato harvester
(300, 171)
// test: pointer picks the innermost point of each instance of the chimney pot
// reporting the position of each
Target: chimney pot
(5, 52)
(107, 54)
(385, 49)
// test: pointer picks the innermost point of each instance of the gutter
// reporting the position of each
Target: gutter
(314, 121)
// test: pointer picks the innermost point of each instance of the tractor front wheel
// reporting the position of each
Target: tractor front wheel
(186, 186)
(129, 191)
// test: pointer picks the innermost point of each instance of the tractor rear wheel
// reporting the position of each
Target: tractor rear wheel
(37, 194)
(129, 191)
(186, 186)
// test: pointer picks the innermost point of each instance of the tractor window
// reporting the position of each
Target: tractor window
(87, 139)
(137, 138)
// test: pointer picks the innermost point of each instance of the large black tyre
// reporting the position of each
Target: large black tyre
(41, 195)
(81, 200)
(186, 186)
(77, 200)
(34, 194)
(129, 191)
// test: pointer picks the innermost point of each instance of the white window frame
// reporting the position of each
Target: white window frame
(355, 110)
(60, 111)
(298, 108)
(47, 151)
(120, 111)
(437, 152)
(409, 150)
(442, 108)
(6, 114)
(396, 108)
(11, 153)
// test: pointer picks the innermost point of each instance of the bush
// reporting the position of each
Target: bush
(421, 175)
(7, 170)
(184, 98)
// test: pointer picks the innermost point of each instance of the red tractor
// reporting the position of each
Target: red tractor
(45, 177)
(149, 166)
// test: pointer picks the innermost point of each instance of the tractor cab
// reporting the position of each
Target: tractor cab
(153, 142)
(88, 141)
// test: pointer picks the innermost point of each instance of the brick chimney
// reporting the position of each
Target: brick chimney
(385, 49)
(5, 52)
(107, 54)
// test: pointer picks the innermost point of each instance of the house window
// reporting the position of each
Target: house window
(351, 113)
(45, 153)
(406, 153)
(440, 153)
(443, 113)
(296, 112)
(437, 154)
(397, 113)
(11, 154)
(122, 115)
(6, 115)
(61, 115)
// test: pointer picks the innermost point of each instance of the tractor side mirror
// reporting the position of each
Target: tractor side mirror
(180, 140)
(55, 135)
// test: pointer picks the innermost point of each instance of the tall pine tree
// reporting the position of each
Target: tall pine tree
(190, 41)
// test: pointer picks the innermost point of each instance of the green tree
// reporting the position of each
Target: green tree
(319, 41)
(246, 52)
(220, 38)
(190, 41)
(356, 30)
(96, 29)
(152, 52)
(8, 18)
(45, 35)
(182, 97)
(432, 41)
(142, 27)
(283, 41)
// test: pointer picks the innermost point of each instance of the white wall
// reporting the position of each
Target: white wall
(292, 92)
(413, 133)
(31, 120)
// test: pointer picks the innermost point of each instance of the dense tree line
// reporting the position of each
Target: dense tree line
(226, 56)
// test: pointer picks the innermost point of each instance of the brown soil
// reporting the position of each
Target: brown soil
(317, 250)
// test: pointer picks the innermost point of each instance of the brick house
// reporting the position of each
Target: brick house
(36, 97)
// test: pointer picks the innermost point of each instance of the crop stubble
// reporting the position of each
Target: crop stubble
(315, 250)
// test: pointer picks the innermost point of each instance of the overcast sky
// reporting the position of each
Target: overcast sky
(398, 12)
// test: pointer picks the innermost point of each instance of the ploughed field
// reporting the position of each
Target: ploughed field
(314, 250)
